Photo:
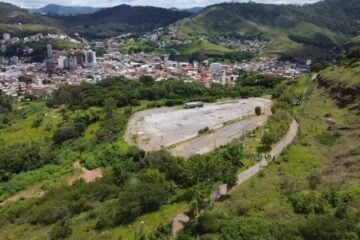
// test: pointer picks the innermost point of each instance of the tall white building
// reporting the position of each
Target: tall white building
(90, 58)
(49, 50)
(217, 72)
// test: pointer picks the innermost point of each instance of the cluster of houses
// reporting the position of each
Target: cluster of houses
(254, 45)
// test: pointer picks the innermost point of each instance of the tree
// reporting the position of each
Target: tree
(267, 140)
(65, 133)
(258, 110)
(162, 232)
(354, 53)
(120, 174)
(246, 229)
(109, 107)
(147, 80)
(317, 67)
(5, 103)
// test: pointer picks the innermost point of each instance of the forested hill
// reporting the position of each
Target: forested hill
(10, 14)
(21, 22)
(122, 18)
(293, 30)
(104, 23)
(64, 10)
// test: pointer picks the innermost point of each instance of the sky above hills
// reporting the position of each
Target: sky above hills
(158, 3)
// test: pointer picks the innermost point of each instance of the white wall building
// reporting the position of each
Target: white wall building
(6, 37)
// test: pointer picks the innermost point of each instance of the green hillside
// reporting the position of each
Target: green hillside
(20, 22)
(296, 32)
(203, 47)
(343, 82)
(310, 192)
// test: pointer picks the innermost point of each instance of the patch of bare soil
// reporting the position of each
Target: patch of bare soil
(85, 174)
(32, 193)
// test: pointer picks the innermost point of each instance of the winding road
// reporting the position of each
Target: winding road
(274, 153)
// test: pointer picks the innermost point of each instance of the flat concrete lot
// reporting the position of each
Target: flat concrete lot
(210, 142)
(156, 128)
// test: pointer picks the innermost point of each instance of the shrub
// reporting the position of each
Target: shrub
(204, 130)
(328, 138)
(258, 111)
(65, 133)
(60, 231)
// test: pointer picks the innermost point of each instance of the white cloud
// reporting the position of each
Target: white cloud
(159, 3)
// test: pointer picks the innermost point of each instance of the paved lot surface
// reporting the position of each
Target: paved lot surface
(156, 128)
(210, 142)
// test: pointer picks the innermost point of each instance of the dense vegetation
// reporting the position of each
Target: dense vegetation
(86, 123)
(129, 93)
(304, 195)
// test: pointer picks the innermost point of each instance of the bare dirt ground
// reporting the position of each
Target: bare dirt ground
(177, 129)
(86, 175)
(33, 193)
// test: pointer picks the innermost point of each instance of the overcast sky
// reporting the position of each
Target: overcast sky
(158, 3)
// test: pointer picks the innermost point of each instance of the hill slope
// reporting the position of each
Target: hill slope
(104, 23)
(20, 22)
(290, 29)
(120, 19)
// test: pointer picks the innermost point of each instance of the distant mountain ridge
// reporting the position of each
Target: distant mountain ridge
(191, 10)
(103, 23)
(123, 18)
(65, 10)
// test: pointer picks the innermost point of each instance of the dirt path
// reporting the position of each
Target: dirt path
(87, 175)
(274, 153)
(33, 193)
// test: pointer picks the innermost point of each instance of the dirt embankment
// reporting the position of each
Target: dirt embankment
(342, 93)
